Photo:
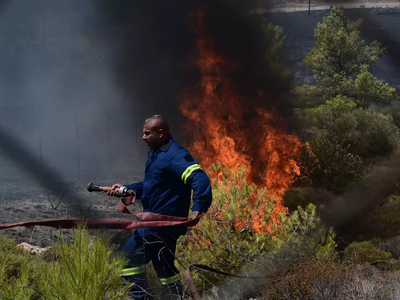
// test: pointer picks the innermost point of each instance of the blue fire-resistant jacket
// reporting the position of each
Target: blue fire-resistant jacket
(171, 173)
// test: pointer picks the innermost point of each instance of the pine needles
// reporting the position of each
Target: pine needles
(83, 269)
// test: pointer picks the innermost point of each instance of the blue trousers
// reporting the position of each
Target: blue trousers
(145, 245)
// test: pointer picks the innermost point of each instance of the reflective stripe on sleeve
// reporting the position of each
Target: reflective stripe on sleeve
(132, 271)
(189, 170)
(170, 280)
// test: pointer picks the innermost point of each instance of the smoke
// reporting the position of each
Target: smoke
(33, 166)
(366, 195)
(243, 39)
(52, 74)
(78, 78)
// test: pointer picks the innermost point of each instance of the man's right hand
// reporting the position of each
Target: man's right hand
(114, 189)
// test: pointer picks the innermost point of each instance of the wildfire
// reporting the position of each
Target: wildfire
(228, 127)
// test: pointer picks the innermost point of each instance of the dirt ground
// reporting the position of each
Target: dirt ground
(29, 203)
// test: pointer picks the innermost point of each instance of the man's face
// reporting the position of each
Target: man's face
(152, 136)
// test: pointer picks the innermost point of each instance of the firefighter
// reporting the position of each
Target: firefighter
(171, 173)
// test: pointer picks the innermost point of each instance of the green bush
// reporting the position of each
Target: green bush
(347, 133)
(81, 270)
(339, 62)
(302, 196)
(241, 227)
(19, 272)
(365, 252)
(327, 165)
(392, 111)
(85, 270)
(295, 197)
(365, 133)
(337, 155)
(325, 115)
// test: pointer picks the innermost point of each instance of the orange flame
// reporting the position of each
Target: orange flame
(229, 128)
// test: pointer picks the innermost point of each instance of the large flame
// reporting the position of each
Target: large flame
(228, 127)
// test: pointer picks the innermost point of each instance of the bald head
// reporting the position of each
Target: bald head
(155, 131)
(159, 122)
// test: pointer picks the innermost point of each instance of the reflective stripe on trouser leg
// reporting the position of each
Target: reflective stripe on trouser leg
(132, 271)
(136, 275)
(135, 251)
(172, 288)
(170, 280)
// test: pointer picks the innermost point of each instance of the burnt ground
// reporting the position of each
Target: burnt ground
(18, 204)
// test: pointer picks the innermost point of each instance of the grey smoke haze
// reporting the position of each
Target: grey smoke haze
(81, 76)
(366, 195)
(77, 80)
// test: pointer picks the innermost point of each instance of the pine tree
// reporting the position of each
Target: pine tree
(339, 62)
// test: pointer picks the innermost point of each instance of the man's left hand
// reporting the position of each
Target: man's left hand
(193, 215)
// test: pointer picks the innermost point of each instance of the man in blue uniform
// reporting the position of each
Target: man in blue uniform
(171, 173)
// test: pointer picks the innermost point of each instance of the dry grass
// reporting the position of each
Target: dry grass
(392, 246)
(298, 281)
(361, 283)
(320, 280)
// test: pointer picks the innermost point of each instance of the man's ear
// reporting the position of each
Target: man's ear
(160, 133)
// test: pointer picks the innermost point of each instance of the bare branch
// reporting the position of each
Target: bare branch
(59, 201)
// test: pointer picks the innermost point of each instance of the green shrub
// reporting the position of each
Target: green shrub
(337, 155)
(81, 270)
(19, 272)
(302, 196)
(295, 197)
(325, 115)
(365, 133)
(239, 229)
(392, 111)
(339, 62)
(365, 252)
(327, 165)
(85, 270)
(347, 134)
(302, 234)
